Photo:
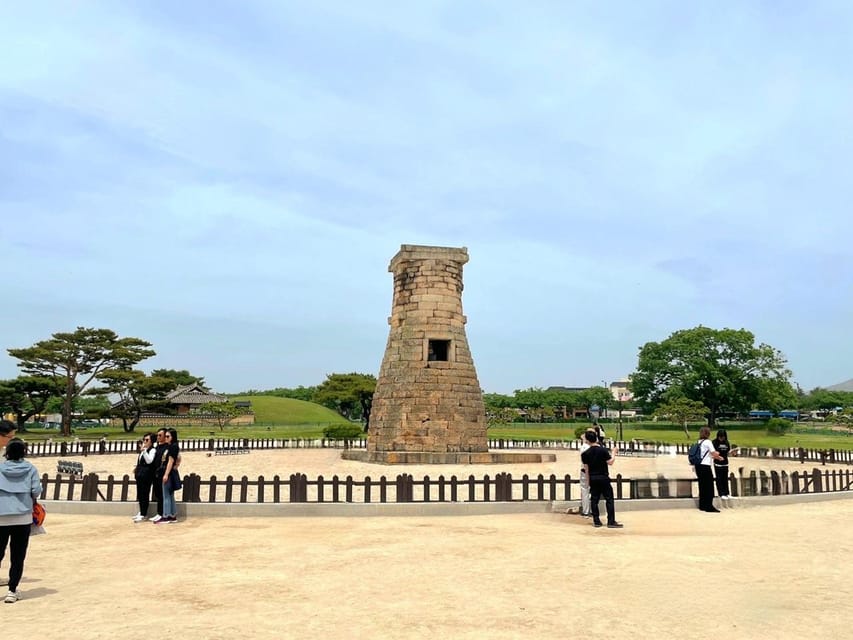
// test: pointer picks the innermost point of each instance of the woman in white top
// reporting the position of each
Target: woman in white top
(704, 473)
(144, 474)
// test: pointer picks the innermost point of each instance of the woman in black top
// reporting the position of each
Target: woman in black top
(168, 461)
(721, 466)
(146, 463)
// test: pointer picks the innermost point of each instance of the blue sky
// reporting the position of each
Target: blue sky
(229, 181)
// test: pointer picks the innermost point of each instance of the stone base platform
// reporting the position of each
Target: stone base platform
(426, 457)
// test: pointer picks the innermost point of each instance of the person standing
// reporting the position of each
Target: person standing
(584, 481)
(146, 463)
(596, 461)
(168, 462)
(19, 489)
(721, 467)
(8, 429)
(157, 485)
(704, 473)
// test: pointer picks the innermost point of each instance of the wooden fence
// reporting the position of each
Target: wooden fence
(502, 487)
(633, 447)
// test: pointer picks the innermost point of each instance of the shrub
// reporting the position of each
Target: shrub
(579, 431)
(342, 432)
(778, 426)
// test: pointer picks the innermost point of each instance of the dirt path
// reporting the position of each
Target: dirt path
(757, 572)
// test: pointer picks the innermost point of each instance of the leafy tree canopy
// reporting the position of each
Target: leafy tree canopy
(222, 412)
(723, 369)
(133, 390)
(350, 394)
(74, 360)
(681, 411)
(178, 378)
(26, 396)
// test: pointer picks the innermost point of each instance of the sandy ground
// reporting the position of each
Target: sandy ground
(754, 572)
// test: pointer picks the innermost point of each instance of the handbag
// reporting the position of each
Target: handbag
(175, 483)
(39, 512)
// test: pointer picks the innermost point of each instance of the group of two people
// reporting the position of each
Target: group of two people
(156, 468)
(715, 453)
(20, 488)
(595, 478)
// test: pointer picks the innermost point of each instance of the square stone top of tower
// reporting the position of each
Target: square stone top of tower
(414, 252)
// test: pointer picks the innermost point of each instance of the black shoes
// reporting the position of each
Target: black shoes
(615, 525)
(597, 524)
(711, 510)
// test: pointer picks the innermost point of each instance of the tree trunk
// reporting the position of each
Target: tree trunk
(712, 419)
(66, 406)
(684, 426)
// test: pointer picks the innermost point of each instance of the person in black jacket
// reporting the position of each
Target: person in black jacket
(721, 465)
(158, 486)
(146, 462)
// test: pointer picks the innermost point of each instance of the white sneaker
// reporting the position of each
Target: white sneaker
(724, 497)
(12, 597)
(156, 518)
(139, 517)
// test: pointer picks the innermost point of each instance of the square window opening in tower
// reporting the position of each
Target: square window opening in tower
(438, 351)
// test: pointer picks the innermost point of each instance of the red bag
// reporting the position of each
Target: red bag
(38, 514)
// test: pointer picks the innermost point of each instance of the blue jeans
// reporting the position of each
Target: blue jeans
(169, 508)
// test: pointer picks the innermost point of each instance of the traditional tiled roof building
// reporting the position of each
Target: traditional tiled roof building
(188, 397)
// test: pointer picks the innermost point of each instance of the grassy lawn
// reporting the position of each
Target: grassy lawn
(742, 434)
(283, 418)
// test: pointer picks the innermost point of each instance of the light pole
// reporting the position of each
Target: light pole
(607, 388)
(621, 400)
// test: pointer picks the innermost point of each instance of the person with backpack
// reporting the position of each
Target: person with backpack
(701, 456)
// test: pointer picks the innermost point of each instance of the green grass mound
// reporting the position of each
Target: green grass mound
(273, 410)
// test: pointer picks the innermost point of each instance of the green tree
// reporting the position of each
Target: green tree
(723, 369)
(534, 402)
(27, 396)
(500, 409)
(134, 391)
(598, 395)
(681, 411)
(350, 394)
(74, 360)
(775, 394)
(178, 378)
(222, 412)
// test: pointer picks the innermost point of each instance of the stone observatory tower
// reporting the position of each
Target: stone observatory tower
(428, 406)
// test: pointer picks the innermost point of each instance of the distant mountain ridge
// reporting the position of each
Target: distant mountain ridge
(842, 386)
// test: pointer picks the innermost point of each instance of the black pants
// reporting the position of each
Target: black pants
(722, 479)
(706, 486)
(158, 494)
(19, 534)
(598, 488)
(143, 492)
